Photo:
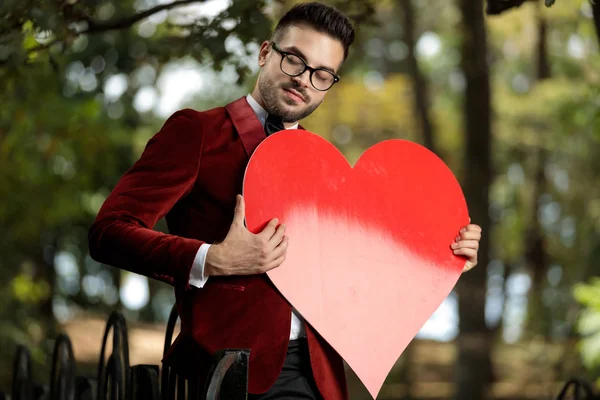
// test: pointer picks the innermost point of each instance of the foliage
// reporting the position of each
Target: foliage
(588, 295)
(44, 31)
(47, 31)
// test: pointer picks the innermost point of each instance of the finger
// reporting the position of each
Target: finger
(275, 263)
(269, 230)
(468, 266)
(468, 235)
(277, 236)
(240, 211)
(471, 227)
(471, 254)
(465, 244)
(281, 248)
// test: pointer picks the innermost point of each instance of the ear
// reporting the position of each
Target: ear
(263, 53)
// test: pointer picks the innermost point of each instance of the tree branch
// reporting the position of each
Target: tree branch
(596, 11)
(121, 23)
(126, 22)
(495, 7)
(421, 95)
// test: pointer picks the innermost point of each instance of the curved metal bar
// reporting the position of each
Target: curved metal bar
(181, 388)
(214, 388)
(114, 379)
(193, 389)
(578, 384)
(170, 390)
(167, 379)
(85, 388)
(62, 375)
(22, 384)
(173, 318)
(144, 382)
(120, 354)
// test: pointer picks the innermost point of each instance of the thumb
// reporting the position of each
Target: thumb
(240, 210)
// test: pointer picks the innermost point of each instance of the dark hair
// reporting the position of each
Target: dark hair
(322, 18)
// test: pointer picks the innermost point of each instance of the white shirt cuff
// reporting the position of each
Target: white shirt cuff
(197, 277)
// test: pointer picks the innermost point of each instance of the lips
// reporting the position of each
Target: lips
(294, 95)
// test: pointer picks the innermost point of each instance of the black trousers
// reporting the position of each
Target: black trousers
(296, 380)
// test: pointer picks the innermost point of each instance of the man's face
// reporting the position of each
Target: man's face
(294, 98)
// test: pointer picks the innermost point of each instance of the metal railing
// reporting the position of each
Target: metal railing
(117, 380)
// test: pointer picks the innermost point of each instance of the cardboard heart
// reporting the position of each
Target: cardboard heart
(369, 258)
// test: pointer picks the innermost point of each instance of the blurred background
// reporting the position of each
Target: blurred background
(506, 92)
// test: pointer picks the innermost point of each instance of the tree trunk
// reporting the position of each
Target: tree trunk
(536, 256)
(473, 370)
(421, 107)
(596, 11)
(543, 64)
(421, 97)
(45, 274)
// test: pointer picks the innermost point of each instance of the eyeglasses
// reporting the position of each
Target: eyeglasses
(294, 65)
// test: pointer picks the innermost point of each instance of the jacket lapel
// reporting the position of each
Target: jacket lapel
(246, 124)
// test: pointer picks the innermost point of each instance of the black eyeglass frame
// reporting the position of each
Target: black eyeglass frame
(336, 78)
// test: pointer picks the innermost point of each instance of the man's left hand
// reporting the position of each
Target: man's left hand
(467, 244)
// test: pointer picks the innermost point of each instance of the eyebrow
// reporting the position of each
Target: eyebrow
(296, 50)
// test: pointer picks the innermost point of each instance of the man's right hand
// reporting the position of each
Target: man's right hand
(245, 253)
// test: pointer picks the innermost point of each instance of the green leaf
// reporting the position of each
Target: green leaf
(590, 350)
(588, 294)
(589, 322)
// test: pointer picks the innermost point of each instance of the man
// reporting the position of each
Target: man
(191, 171)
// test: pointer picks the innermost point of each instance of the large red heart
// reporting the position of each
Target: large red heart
(369, 258)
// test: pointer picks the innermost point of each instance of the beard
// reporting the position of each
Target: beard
(268, 91)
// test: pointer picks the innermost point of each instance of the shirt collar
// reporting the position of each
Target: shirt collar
(260, 112)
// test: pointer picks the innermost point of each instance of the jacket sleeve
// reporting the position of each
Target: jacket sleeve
(122, 234)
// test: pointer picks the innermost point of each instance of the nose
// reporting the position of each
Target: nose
(302, 80)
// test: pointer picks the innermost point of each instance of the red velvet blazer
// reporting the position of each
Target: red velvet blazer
(190, 173)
